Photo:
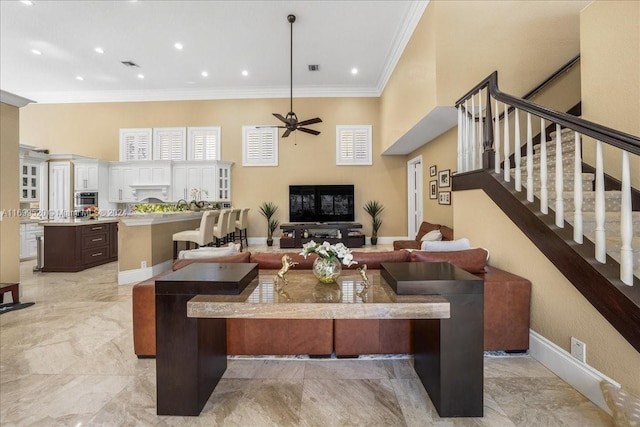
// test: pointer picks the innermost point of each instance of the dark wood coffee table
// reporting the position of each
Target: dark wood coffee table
(179, 339)
(448, 353)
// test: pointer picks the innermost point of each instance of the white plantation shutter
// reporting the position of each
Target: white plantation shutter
(135, 144)
(353, 145)
(259, 146)
(203, 143)
(169, 144)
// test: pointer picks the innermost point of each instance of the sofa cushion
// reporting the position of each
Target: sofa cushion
(373, 259)
(447, 233)
(432, 236)
(446, 246)
(210, 252)
(239, 257)
(273, 260)
(471, 260)
(426, 227)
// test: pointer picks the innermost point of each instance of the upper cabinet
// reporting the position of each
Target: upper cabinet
(29, 181)
(135, 144)
(85, 175)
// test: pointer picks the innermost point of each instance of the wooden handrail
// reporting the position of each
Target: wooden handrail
(601, 133)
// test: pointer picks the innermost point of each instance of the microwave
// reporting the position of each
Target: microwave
(86, 199)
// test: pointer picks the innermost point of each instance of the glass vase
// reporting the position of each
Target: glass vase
(327, 270)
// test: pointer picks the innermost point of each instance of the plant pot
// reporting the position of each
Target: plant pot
(374, 240)
(269, 242)
(327, 270)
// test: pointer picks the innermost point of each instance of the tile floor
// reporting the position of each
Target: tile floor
(68, 361)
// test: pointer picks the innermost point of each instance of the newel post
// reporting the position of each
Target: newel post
(488, 152)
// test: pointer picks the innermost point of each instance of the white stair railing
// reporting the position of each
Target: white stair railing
(471, 138)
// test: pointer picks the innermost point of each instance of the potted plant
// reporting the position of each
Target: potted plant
(268, 210)
(374, 208)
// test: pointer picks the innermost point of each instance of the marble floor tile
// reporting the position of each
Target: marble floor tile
(68, 361)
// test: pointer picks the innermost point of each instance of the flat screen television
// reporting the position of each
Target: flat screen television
(321, 203)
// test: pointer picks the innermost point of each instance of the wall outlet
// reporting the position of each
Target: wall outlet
(579, 350)
(143, 264)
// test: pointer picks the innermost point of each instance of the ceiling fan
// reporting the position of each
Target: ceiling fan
(291, 120)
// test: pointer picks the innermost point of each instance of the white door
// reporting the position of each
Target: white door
(414, 195)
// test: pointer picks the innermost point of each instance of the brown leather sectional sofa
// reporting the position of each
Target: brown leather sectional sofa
(506, 307)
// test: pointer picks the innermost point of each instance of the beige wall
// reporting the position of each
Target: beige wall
(558, 310)
(9, 193)
(611, 76)
(92, 130)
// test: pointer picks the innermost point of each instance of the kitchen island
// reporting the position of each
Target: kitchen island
(145, 242)
(75, 244)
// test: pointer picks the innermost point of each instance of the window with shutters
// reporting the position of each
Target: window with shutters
(259, 146)
(135, 144)
(203, 143)
(169, 144)
(353, 145)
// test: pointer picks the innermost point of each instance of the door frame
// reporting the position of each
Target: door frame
(414, 187)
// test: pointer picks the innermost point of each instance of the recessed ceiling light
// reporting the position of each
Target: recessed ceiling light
(36, 52)
(27, 2)
(204, 74)
(178, 46)
(245, 73)
(79, 78)
(99, 50)
(141, 76)
(354, 71)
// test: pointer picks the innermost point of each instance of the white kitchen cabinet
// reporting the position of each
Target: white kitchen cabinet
(223, 181)
(60, 200)
(135, 144)
(203, 143)
(29, 180)
(28, 242)
(86, 175)
(120, 179)
(194, 180)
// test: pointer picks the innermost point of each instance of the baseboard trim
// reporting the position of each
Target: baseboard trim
(579, 375)
(128, 277)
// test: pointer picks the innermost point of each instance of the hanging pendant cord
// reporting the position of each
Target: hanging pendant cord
(291, 71)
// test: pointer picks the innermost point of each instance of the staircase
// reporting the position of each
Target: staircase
(612, 198)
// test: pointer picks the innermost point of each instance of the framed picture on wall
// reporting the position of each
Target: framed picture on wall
(433, 170)
(433, 189)
(444, 198)
(444, 178)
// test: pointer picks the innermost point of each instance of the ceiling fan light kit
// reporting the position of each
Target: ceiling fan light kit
(291, 122)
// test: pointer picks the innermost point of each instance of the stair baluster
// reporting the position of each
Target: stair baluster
(496, 143)
(516, 150)
(544, 192)
(626, 224)
(601, 242)
(577, 190)
(559, 183)
(507, 143)
(529, 160)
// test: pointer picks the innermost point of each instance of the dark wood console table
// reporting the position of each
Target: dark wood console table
(191, 330)
(332, 232)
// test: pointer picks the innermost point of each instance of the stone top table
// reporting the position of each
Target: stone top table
(191, 327)
(306, 298)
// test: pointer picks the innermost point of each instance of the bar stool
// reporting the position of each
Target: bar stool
(241, 225)
(201, 236)
(231, 225)
(220, 229)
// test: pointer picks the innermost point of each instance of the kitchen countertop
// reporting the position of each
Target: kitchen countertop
(77, 221)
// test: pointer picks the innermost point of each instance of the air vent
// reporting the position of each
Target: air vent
(315, 67)
(130, 64)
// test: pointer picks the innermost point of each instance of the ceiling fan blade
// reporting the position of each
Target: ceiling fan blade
(310, 121)
(270, 127)
(311, 131)
(280, 117)
(286, 133)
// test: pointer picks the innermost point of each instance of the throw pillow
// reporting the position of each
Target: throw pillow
(471, 260)
(432, 236)
(446, 245)
(209, 252)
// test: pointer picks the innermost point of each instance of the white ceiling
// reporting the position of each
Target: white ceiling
(220, 37)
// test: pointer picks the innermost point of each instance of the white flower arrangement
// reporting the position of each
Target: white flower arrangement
(328, 251)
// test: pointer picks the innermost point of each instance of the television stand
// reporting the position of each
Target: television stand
(347, 233)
